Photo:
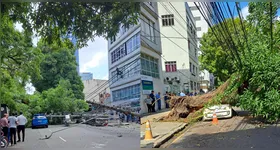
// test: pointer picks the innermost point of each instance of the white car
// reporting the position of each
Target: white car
(222, 111)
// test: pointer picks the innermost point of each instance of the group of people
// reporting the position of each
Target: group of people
(152, 99)
(15, 125)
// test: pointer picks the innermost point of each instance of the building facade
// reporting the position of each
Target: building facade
(206, 78)
(74, 41)
(134, 61)
(94, 91)
(86, 76)
(179, 47)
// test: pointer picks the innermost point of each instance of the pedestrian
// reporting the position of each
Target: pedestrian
(166, 99)
(21, 126)
(5, 124)
(158, 100)
(13, 128)
(152, 96)
(148, 102)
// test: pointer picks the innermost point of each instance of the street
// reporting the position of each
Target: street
(237, 132)
(82, 136)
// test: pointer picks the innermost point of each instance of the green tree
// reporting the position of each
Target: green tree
(258, 75)
(58, 63)
(216, 54)
(52, 20)
(61, 99)
(18, 60)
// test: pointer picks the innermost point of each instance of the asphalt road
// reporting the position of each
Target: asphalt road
(83, 136)
(237, 132)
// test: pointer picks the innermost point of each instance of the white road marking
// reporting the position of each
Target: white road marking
(62, 139)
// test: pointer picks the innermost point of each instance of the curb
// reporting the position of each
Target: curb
(168, 136)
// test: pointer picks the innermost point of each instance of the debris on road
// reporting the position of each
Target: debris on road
(185, 107)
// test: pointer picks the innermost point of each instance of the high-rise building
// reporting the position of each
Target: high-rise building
(74, 41)
(179, 47)
(206, 78)
(86, 76)
(135, 60)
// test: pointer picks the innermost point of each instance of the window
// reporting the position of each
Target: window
(170, 66)
(190, 67)
(126, 93)
(149, 66)
(198, 28)
(189, 44)
(197, 18)
(193, 69)
(188, 20)
(167, 20)
(193, 8)
(129, 46)
(195, 52)
(148, 29)
(128, 70)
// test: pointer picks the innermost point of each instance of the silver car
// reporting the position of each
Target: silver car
(222, 111)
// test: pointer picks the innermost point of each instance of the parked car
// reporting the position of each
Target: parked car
(40, 120)
(222, 111)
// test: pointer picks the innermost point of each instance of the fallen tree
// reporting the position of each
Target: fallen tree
(187, 107)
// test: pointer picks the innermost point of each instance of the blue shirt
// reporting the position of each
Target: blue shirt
(157, 96)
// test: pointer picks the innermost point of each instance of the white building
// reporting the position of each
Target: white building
(206, 78)
(95, 90)
(136, 53)
(180, 63)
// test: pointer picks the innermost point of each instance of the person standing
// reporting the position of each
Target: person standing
(166, 99)
(158, 100)
(4, 124)
(21, 126)
(152, 96)
(13, 128)
(148, 102)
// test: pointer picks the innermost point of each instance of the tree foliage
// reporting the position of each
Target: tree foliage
(58, 63)
(61, 99)
(53, 20)
(258, 75)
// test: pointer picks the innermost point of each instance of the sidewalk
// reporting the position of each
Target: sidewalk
(154, 116)
(162, 131)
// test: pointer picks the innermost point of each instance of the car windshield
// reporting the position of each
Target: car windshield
(40, 117)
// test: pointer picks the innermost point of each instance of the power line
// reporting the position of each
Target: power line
(102, 86)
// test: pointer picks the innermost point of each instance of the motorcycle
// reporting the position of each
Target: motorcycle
(67, 120)
(4, 140)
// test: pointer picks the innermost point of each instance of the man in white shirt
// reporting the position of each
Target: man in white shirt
(21, 126)
(13, 128)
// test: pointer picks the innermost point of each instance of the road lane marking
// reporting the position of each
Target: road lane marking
(62, 139)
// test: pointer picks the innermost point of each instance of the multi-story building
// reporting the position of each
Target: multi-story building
(86, 76)
(179, 47)
(134, 61)
(206, 78)
(97, 91)
(74, 41)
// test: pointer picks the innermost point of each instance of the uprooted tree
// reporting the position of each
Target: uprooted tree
(251, 67)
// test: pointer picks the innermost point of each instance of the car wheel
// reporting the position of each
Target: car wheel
(33, 127)
(47, 126)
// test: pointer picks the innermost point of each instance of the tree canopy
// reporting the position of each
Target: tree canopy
(58, 63)
(53, 20)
